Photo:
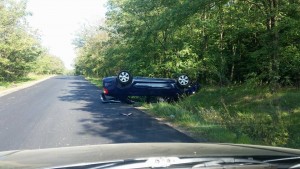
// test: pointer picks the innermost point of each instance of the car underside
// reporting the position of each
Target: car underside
(124, 85)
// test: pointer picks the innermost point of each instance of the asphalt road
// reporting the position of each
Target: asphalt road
(67, 111)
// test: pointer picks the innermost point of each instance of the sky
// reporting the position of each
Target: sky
(58, 21)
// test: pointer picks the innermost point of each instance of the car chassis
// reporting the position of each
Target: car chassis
(119, 87)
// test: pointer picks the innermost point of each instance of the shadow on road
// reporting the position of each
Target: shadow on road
(107, 121)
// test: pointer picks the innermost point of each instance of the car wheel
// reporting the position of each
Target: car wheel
(183, 81)
(124, 78)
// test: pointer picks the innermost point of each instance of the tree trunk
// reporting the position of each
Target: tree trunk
(274, 48)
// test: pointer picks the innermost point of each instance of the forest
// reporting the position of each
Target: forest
(244, 53)
(21, 51)
(217, 42)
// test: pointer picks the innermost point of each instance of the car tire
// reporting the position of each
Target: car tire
(183, 81)
(124, 78)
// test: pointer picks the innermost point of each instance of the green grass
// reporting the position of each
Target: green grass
(31, 77)
(95, 80)
(237, 115)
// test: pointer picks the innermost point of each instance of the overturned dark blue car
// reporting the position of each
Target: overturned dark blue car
(124, 84)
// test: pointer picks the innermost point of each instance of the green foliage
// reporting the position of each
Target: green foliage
(20, 81)
(19, 46)
(238, 115)
(226, 43)
(96, 81)
(91, 44)
(216, 42)
(47, 64)
(262, 127)
(253, 42)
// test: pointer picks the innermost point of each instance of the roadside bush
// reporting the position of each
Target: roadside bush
(238, 114)
(263, 128)
(269, 129)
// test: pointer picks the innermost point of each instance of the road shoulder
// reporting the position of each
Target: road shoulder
(168, 123)
(23, 86)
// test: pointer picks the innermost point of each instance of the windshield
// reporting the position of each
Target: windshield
(97, 72)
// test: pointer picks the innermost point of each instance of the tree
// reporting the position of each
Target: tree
(19, 46)
(48, 64)
(218, 42)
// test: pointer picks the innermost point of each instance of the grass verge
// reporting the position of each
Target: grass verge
(4, 85)
(237, 115)
(95, 80)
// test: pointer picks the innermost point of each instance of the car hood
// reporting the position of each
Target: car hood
(53, 157)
